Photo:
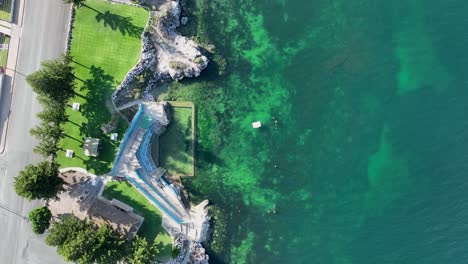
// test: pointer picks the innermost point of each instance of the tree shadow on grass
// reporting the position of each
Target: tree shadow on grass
(118, 22)
(76, 139)
(87, 6)
(79, 64)
(71, 122)
(163, 248)
(99, 88)
(151, 226)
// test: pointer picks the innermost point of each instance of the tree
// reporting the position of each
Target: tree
(47, 148)
(110, 245)
(37, 182)
(142, 252)
(47, 131)
(80, 246)
(79, 241)
(53, 112)
(77, 3)
(55, 116)
(55, 79)
(49, 135)
(40, 219)
(64, 229)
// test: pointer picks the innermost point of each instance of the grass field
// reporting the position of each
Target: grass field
(105, 46)
(176, 143)
(151, 228)
(5, 10)
(4, 39)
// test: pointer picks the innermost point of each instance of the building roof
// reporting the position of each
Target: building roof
(79, 194)
(104, 212)
(91, 147)
(81, 198)
(121, 205)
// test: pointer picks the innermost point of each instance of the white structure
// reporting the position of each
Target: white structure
(114, 136)
(69, 153)
(135, 163)
(91, 147)
(76, 106)
(256, 124)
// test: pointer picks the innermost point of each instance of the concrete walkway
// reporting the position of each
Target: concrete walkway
(135, 163)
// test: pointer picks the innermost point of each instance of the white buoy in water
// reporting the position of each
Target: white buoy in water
(256, 124)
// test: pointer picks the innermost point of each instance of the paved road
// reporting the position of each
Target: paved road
(43, 36)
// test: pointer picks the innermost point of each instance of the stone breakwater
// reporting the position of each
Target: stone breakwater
(165, 55)
(179, 242)
(189, 251)
(197, 254)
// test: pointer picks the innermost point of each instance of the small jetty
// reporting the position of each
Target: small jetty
(134, 163)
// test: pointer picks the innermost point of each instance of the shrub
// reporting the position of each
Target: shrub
(40, 219)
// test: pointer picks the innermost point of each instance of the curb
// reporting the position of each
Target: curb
(70, 29)
(20, 28)
(12, 88)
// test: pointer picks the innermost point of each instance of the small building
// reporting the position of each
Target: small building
(91, 147)
(81, 197)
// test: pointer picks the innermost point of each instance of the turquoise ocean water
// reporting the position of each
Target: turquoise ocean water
(368, 163)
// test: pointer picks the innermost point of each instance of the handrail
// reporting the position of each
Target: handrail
(162, 208)
(127, 135)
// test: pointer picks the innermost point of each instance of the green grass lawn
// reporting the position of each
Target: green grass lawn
(151, 227)
(176, 143)
(5, 10)
(105, 46)
(4, 52)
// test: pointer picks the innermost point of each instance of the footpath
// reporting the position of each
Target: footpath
(7, 85)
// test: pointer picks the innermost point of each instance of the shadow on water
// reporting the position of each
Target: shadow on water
(209, 156)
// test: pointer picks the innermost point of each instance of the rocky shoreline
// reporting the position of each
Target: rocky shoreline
(165, 56)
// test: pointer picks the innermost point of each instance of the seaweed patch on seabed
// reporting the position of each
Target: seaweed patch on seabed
(242, 172)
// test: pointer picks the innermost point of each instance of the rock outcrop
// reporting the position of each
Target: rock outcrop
(165, 54)
(178, 56)
(198, 254)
